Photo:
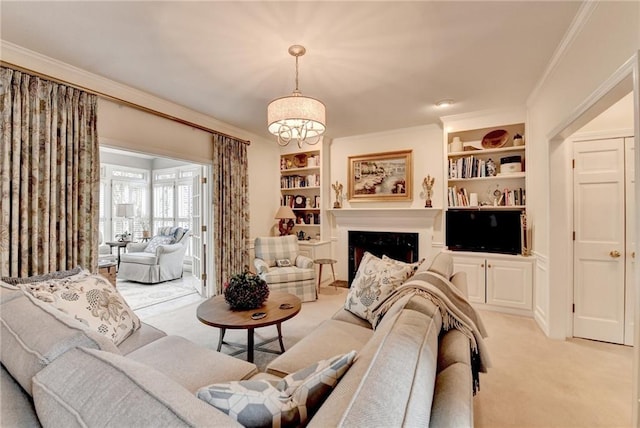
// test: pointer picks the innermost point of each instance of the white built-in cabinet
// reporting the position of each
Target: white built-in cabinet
(502, 281)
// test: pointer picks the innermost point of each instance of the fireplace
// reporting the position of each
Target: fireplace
(397, 245)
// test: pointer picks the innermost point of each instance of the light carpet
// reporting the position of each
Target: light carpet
(534, 381)
(140, 296)
(183, 322)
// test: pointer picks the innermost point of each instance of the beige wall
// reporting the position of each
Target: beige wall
(608, 38)
(426, 143)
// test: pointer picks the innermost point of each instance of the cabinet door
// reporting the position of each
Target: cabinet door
(510, 283)
(474, 267)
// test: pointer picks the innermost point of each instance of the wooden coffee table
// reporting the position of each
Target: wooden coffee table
(217, 313)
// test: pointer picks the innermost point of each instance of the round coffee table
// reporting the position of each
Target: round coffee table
(217, 313)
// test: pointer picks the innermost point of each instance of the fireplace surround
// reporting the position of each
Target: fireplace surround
(396, 245)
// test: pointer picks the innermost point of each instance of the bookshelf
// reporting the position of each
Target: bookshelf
(300, 188)
(468, 171)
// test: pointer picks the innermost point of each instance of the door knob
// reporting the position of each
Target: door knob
(615, 254)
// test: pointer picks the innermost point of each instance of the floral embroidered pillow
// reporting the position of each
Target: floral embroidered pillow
(375, 280)
(92, 300)
(156, 241)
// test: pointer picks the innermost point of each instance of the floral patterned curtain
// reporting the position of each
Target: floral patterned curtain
(49, 176)
(230, 207)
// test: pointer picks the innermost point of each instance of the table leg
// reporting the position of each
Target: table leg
(319, 279)
(334, 277)
(250, 345)
(279, 327)
(119, 247)
(222, 332)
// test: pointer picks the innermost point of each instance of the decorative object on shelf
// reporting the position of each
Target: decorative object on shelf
(295, 117)
(495, 139)
(285, 215)
(427, 185)
(301, 235)
(300, 160)
(491, 168)
(381, 177)
(337, 187)
(456, 145)
(518, 140)
(299, 201)
(245, 291)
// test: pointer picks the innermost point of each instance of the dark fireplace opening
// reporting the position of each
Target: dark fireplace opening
(397, 245)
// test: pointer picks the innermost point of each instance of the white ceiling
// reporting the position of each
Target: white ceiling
(376, 65)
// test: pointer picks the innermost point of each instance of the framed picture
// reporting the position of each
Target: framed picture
(380, 177)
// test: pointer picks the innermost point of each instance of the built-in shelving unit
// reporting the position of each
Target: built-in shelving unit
(300, 188)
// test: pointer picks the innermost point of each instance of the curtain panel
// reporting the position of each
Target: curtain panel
(230, 207)
(49, 176)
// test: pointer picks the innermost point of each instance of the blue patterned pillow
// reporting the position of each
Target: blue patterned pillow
(156, 241)
(290, 403)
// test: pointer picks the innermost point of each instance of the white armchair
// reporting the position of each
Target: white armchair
(158, 260)
(104, 251)
(296, 273)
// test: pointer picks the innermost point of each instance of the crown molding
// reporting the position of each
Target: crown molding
(20, 57)
(578, 23)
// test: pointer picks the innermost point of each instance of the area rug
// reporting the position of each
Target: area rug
(141, 295)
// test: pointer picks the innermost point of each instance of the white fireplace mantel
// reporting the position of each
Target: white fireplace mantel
(385, 217)
(420, 220)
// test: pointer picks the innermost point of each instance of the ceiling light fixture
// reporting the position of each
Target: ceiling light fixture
(298, 118)
(444, 103)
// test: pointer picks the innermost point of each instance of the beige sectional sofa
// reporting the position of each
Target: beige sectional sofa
(57, 373)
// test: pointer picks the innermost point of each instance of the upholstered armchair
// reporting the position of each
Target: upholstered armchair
(279, 262)
(158, 260)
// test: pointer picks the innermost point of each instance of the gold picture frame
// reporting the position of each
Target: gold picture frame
(381, 176)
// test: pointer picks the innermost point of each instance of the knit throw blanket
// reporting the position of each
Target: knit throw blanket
(456, 313)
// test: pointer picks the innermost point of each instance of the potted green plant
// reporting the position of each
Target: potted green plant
(245, 291)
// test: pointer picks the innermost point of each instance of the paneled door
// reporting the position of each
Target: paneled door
(630, 191)
(599, 244)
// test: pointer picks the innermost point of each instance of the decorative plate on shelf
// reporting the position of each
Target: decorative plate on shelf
(495, 139)
(300, 160)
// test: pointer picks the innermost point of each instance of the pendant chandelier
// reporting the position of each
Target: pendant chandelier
(296, 118)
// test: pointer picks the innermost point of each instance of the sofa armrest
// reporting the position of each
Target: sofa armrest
(136, 247)
(168, 249)
(459, 279)
(261, 266)
(304, 262)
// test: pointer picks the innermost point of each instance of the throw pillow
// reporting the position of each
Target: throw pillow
(374, 281)
(283, 263)
(290, 403)
(414, 266)
(156, 241)
(92, 300)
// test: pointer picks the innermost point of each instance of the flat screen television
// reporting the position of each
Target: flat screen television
(491, 231)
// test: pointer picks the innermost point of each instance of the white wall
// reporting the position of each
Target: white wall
(607, 38)
(426, 144)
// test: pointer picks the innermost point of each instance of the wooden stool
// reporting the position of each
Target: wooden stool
(323, 262)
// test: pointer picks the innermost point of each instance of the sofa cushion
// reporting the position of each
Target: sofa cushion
(156, 241)
(92, 300)
(91, 388)
(290, 403)
(195, 367)
(374, 281)
(278, 275)
(336, 337)
(16, 406)
(142, 258)
(33, 334)
(141, 337)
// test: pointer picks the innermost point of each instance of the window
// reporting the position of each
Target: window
(119, 185)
